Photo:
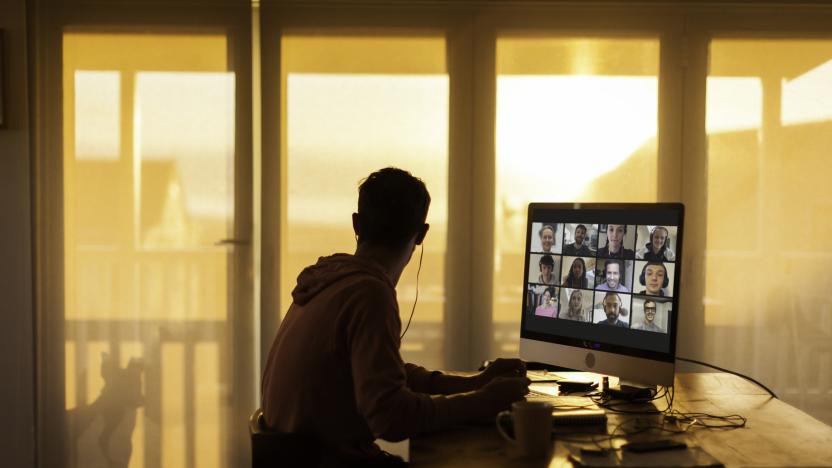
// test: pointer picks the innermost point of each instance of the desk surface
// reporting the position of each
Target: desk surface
(776, 434)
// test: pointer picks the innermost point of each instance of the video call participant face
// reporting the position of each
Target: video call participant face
(547, 237)
(575, 300)
(658, 237)
(578, 268)
(547, 266)
(649, 311)
(655, 278)
(547, 296)
(615, 236)
(580, 235)
(612, 307)
(612, 274)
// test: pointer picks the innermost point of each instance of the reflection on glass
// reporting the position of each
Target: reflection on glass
(576, 121)
(356, 105)
(769, 121)
(148, 189)
(97, 114)
(185, 132)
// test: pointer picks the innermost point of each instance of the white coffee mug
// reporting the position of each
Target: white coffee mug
(532, 421)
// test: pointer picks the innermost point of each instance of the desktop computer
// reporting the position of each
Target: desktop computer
(601, 288)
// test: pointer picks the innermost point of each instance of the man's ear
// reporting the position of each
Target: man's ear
(420, 237)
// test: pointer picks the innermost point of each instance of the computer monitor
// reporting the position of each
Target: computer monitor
(601, 288)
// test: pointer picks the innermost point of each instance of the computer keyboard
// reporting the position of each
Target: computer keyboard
(538, 376)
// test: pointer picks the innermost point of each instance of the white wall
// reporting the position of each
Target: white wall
(17, 390)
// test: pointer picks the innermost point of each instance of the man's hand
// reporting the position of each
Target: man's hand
(502, 368)
(501, 392)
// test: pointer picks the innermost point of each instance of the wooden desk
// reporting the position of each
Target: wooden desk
(777, 434)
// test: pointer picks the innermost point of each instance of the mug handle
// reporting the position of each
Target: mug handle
(500, 416)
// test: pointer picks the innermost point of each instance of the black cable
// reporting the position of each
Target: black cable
(625, 406)
(692, 420)
(421, 253)
(730, 372)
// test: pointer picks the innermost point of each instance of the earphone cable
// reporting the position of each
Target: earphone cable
(418, 271)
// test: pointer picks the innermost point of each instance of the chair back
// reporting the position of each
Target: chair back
(271, 449)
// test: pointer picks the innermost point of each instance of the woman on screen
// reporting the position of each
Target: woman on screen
(616, 234)
(658, 248)
(547, 237)
(577, 275)
(574, 310)
(547, 307)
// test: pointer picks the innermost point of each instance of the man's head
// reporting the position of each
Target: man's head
(658, 237)
(615, 236)
(654, 277)
(649, 311)
(612, 306)
(612, 273)
(547, 265)
(547, 237)
(575, 300)
(580, 234)
(392, 208)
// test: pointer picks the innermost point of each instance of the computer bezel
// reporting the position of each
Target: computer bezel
(606, 357)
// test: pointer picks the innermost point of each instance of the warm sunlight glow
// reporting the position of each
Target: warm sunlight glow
(577, 120)
(97, 114)
(806, 98)
(393, 107)
(536, 135)
(149, 151)
(355, 105)
(734, 104)
(767, 309)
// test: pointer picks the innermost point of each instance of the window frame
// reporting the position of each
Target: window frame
(50, 23)
(471, 29)
(455, 25)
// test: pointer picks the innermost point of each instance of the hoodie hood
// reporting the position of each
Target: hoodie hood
(329, 270)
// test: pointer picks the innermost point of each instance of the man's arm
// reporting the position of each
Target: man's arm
(392, 410)
(422, 380)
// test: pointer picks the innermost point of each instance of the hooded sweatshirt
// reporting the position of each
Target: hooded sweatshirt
(334, 369)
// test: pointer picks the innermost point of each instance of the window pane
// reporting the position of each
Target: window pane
(148, 190)
(354, 105)
(769, 122)
(576, 121)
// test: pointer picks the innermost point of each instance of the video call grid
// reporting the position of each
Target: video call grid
(630, 260)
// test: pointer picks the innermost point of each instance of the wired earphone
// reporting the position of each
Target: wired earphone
(418, 271)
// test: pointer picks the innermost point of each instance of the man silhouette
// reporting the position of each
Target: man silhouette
(334, 370)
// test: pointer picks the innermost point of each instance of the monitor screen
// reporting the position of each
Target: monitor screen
(601, 284)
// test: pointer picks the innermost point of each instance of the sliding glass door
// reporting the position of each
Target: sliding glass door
(157, 320)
